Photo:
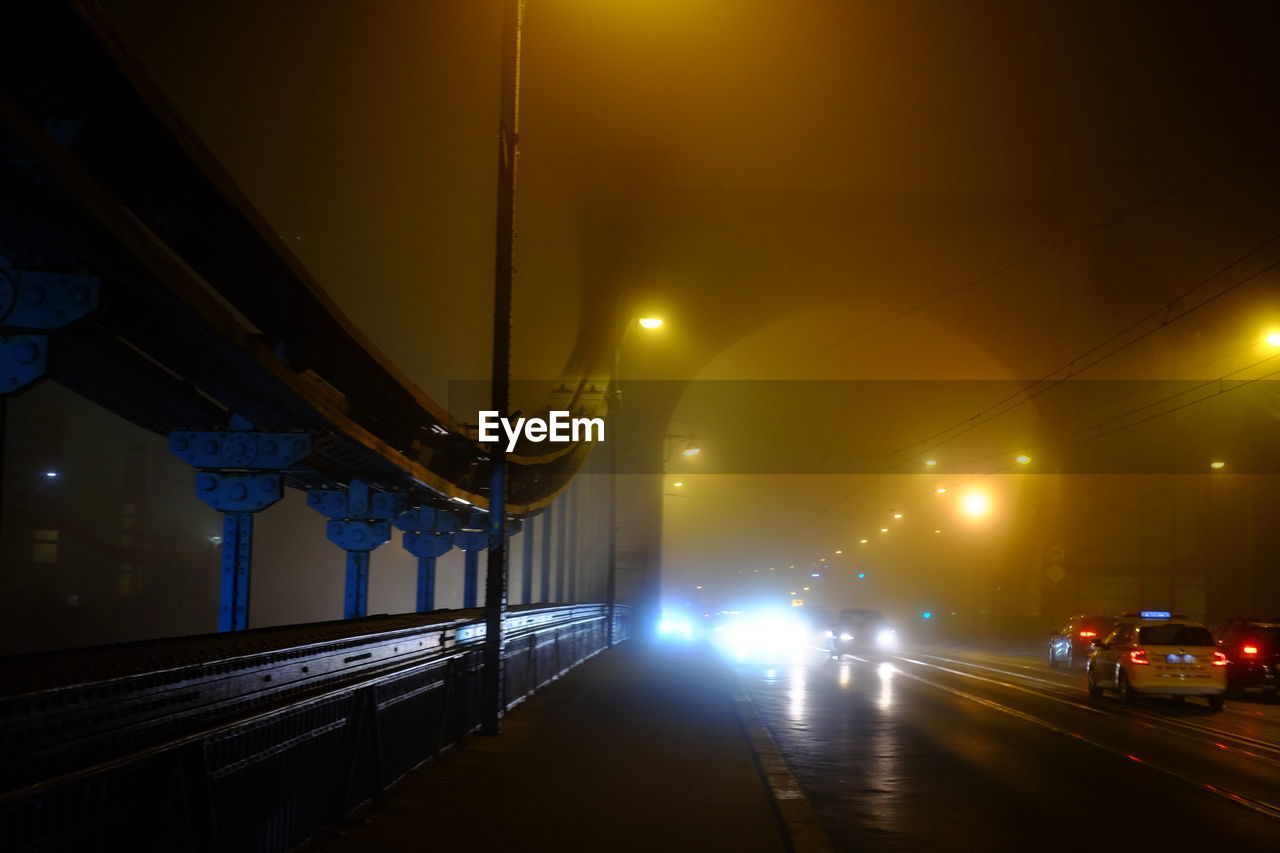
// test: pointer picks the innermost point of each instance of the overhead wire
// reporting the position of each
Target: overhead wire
(1048, 382)
(1036, 254)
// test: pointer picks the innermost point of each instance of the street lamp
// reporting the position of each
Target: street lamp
(976, 504)
(615, 405)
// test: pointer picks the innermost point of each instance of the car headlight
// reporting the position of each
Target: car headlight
(886, 639)
(846, 637)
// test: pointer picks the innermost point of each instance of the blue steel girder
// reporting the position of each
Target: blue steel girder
(237, 552)
(427, 536)
(355, 599)
(359, 521)
(241, 475)
(472, 542)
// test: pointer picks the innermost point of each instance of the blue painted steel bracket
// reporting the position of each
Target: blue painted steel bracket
(37, 301)
(270, 451)
(42, 300)
(425, 519)
(245, 478)
(23, 360)
(472, 540)
(239, 492)
(428, 534)
(428, 544)
(357, 501)
(358, 535)
(359, 521)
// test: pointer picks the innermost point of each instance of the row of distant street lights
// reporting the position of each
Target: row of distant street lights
(975, 504)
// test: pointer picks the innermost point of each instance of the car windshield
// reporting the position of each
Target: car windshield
(861, 617)
(1175, 635)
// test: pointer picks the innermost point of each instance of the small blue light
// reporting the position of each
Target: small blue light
(1155, 614)
(51, 474)
(861, 575)
(928, 614)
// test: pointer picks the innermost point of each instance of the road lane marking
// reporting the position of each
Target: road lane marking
(1202, 733)
(1262, 807)
(805, 834)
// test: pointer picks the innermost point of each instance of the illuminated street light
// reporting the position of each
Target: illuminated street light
(677, 485)
(941, 491)
(1023, 460)
(692, 451)
(897, 515)
(976, 504)
(884, 530)
(1274, 339)
(863, 541)
(650, 322)
(937, 531)
(1217, 466)
(839, 552)
(931, 462)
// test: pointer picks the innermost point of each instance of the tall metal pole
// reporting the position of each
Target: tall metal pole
(615, 399)
(495, 586)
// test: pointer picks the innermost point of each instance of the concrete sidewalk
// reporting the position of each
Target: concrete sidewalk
(641, 748)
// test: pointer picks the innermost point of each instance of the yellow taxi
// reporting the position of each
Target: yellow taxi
(1156, 652)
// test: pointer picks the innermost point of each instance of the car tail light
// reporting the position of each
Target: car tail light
(1088, 634)
(1249, 651)
(1219, 659)
(1140, 656)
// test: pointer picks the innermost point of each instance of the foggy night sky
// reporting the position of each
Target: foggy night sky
(773, 178)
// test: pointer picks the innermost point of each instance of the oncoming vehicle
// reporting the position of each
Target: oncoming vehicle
(1253, 647)
(865, 631)
(1071, 644)
(1155, 652)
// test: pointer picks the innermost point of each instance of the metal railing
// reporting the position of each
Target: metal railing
(269, 778)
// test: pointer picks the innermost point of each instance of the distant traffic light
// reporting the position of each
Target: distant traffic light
(861, 575)
(928, 614)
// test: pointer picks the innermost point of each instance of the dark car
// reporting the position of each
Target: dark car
(1253, 647)
(865, 631)
(1070, 645)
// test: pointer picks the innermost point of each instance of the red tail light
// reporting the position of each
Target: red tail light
(1088, 633)
(1219, 659)
(1249, 651)
(1140, 656)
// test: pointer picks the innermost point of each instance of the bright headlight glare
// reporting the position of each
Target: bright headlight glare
(886, 639)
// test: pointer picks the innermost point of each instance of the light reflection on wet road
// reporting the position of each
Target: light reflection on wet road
(933, 749)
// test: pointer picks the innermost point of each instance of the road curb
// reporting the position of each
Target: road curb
(799, 821)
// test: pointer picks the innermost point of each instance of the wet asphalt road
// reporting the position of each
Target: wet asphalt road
(944, 749)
